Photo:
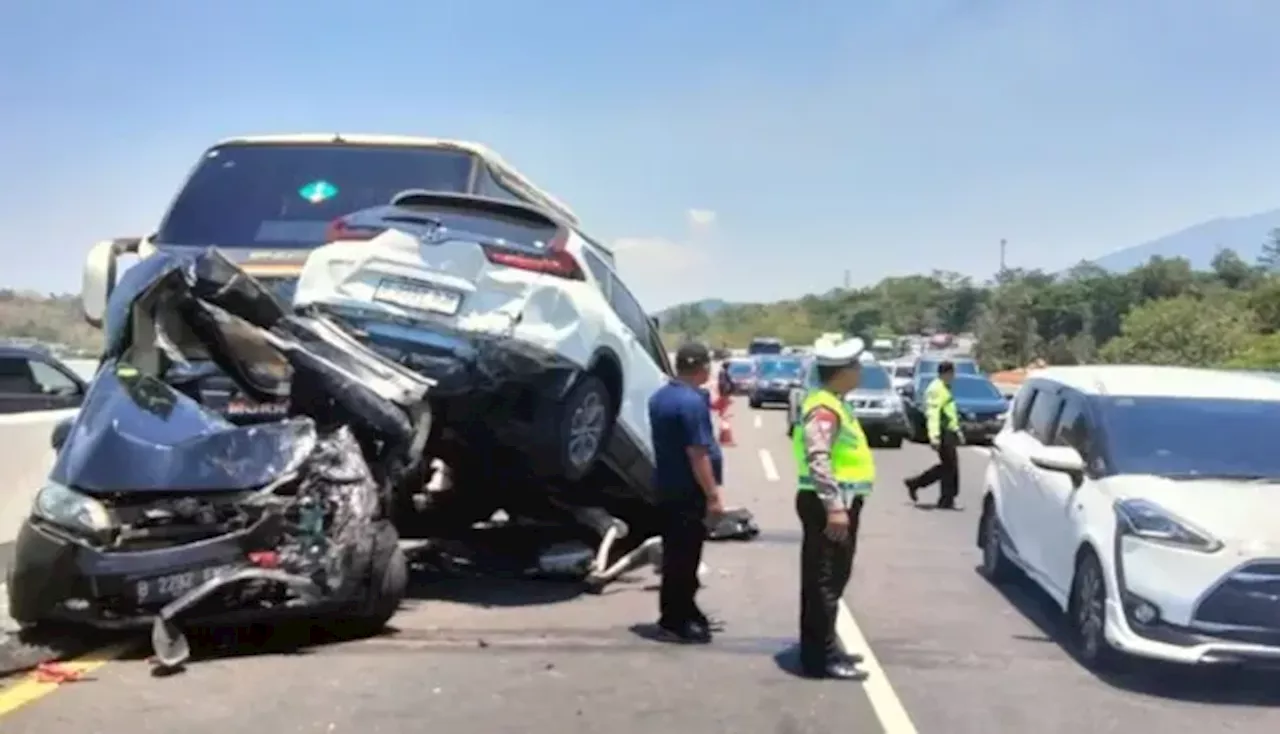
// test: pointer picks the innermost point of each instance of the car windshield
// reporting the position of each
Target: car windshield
(781, 369)
(874, 377)
(740, 369)
(1190, 438)
(764, 346)
(974, 389)
(963, 367)
(285, 195)
(903, 370)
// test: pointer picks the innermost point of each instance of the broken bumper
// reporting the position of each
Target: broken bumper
(59, 578)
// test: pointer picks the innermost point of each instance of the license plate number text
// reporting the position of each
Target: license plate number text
(418, 297)
(173, 585)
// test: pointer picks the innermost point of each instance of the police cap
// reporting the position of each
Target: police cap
(842, 354)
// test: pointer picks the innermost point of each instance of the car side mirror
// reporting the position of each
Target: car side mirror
(99, 277)
(61, 431)
(1063, 459)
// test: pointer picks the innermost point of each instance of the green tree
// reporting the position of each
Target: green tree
(1183, 331)
(1269, 258)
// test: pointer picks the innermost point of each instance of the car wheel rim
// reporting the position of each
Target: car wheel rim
(586, 428)
(1090, 611)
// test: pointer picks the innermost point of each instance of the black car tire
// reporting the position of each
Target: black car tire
(386, 586)
(996, 566)
(753, 402)
(588, 404)
(1087, 616)
(893, 442)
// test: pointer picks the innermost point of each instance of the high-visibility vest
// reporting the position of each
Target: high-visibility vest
(940, 410)
(851, 461)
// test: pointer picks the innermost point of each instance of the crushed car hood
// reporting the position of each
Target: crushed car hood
(137, 434)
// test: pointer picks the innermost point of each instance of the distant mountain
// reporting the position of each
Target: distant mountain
(1200, 243)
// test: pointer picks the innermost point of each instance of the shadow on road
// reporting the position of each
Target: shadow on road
(1201, 684)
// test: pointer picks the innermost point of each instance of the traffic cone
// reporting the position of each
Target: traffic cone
(726, 433)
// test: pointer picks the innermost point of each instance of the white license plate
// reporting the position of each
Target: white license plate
(419, 297)
(173, 585)
(248, 407)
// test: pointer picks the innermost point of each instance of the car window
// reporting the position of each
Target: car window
(52, 380)
(1043, 418)
(974, 388)
(1073, 429)
(1022, 407)
(634, 318)
(600, 271)
(16, 377)
(873, 377)
(285, 195)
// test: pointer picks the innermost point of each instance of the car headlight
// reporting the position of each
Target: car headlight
(68, 508)
(1148, 521)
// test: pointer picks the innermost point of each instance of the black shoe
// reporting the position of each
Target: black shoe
(690, 633)
(912, 490)
(850, 658)
(948, 505)
(837, 670)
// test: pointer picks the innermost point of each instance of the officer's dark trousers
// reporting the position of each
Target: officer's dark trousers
(684, 531)
(946, 472)
(825, 566)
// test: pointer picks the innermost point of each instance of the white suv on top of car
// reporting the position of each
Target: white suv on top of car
(1143, 500)
(521, 319)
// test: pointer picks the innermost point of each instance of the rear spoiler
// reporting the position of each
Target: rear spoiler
(422, 198)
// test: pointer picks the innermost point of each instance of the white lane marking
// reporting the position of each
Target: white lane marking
(884, 700)
(770, 469)
(757, 422)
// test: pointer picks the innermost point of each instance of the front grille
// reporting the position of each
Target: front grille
(1249, 597)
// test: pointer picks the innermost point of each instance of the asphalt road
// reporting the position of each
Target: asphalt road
(950, 653)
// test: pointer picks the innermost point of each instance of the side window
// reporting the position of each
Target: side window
(1022, 407)
(53, 381)
(1043, 418)
(16, 377)
(600, 271)
(633, 316)
(1074, 430)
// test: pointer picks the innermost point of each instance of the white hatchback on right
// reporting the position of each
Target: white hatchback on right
(1146, 502)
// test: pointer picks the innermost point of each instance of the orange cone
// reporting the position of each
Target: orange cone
(726, 433)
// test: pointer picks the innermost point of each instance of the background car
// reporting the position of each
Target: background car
(32, 379)
(980, 407)
(742, 375)
(903, 373)
(875, 404)
(1143, 501)
(776, 377)
(764, 346)
(928, 365)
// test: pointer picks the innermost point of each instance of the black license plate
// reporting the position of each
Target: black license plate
(170, 586)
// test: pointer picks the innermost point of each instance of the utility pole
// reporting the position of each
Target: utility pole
(1003, 245)
(846, 280)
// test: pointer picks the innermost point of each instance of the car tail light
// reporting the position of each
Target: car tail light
(339, 230)
(556, 260)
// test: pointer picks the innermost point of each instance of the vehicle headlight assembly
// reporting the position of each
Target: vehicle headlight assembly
(1150, 522)
(69, 509)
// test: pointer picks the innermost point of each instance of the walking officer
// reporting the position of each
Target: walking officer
(943, 426)
(836, 473)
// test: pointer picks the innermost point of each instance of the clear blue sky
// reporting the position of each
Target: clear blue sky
(814, 136)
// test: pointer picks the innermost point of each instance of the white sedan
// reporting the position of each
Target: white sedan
(1144, 501)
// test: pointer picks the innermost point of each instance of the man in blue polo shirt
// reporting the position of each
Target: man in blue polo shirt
(688, 469)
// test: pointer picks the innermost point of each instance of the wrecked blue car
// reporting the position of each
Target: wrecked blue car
(162, 512)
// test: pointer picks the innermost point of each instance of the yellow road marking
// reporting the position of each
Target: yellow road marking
(31, 689)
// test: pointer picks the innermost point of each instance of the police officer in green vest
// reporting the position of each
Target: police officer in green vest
(836, 476)
(943, 426)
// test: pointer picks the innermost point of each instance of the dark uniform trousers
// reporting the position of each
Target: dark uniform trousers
(684, 531)
(946, 472)
(825, 567)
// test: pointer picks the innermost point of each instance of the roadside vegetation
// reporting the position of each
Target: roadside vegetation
(1161, 313)
(51, 320)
